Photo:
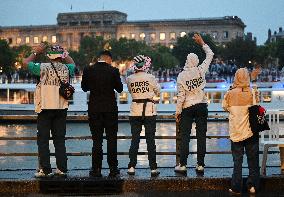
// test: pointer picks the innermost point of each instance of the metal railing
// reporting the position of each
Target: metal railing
(176, 137)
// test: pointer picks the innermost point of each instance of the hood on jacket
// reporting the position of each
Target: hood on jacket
(242, 79)
(191, 61)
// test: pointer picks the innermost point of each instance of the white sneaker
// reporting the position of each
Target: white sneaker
(199, 169)
(252, 190)
(154, 173)
(131, 171)
(41, 174)
(59, 173)
(180, 169)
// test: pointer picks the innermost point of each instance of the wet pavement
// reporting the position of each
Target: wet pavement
(214, 182)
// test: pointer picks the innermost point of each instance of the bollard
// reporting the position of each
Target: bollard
(177, 142)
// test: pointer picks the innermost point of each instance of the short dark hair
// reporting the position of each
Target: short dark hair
(105, 52)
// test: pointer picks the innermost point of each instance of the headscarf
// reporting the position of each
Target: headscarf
(56, 51)
(242, 79)
(141, 63)
(191, 61)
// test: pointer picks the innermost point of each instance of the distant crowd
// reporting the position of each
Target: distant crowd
(218, 70)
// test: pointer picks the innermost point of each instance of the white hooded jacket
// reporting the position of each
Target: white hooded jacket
(191, 81)
(142, 85)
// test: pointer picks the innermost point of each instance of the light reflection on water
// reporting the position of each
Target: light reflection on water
(82, 129)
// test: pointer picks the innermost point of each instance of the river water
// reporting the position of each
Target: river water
(84, 162)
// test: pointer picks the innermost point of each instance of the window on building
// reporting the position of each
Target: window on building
(142, 36)
(27, 40)
(19, 40)
(153, 36)
(172, 36)
(162, 36)
(44, 38)
(182, 34)
(96, 22)
(225, 34)
(36, 41)
(171, 46)
(132, 36)
(53, 39)
(214, 34)
(122, 35)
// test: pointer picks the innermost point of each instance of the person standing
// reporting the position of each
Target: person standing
(142, 87)
(101, 79)
(50, 106)
(192, 105)
(236, 102)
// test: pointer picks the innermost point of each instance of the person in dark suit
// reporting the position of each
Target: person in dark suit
(101, 79)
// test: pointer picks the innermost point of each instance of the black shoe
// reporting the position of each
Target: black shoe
(154, 173)
(95, 173)
(114, 172)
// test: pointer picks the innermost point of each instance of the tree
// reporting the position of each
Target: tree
(240, 50)
(186, 45)
(89, 49)
(7, 57)
(161, 57)
(280, 51)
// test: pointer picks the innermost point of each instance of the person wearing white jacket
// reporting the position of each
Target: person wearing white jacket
(142, 87)
(192, 105)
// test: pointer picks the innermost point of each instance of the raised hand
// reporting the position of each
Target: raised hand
(198, 39)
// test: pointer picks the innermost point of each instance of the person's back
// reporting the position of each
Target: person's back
(236, 101)
(101, 80)
(51, 106)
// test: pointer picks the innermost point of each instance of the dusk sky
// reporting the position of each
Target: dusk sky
(258, 15)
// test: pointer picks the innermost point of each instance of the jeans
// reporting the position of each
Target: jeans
(251, 146)
(53, 120)
(136, 123)
(100, 122)
(199, 114)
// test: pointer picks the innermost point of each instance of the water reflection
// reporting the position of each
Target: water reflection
(82, 129)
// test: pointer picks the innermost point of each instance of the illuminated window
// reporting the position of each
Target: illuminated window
(142, 36)
(132, 36)
(44, 38)
(214, 34)
(36, 41)
(172, 36)
(162, 36)
(225, 34)
(122, 35)
(171, 46)
(19, 40)
(27, 40)
(153, 36)
(53, 39)
(182, 34)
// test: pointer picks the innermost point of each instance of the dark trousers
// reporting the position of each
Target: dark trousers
(251, 146)
(136, 123)
(53, 120)
(199, 114)
(100, 122)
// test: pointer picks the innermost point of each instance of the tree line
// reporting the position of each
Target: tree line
(240, 50)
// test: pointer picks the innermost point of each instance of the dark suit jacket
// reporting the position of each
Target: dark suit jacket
(101, 80)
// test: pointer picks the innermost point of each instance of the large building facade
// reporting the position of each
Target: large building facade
(72, 27)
